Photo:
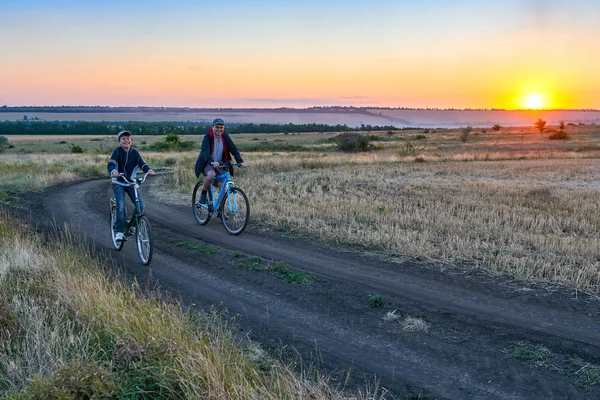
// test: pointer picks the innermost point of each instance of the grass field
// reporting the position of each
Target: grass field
(511, 202)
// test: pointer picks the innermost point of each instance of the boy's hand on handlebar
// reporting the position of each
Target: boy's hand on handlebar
(151, 172)
(115, 174)
(242, 165)
(215, 164)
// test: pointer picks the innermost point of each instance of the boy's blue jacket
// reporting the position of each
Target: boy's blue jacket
(126, 162)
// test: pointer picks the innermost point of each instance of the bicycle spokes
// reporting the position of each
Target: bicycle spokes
(236, 211)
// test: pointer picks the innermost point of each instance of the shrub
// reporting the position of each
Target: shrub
(562, 125)
(352, 142)
(496, 127)
(74, 381)
(540, 124)
(464, 133)
(560, 135)
(173, 140)
(376, 301)
(407, 150)
(75, 148)
(3, 143)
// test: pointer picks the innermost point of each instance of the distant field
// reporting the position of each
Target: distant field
(355, 118)
(102, 144)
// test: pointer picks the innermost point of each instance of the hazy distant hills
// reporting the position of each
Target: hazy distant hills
(351, 116)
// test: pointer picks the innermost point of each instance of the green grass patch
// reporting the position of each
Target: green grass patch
(195, 246)
(251, 263)
(376, 301)
(285, 272)
(279, 268)
(530, 352)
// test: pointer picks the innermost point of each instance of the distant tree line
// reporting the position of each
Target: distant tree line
(31, 127)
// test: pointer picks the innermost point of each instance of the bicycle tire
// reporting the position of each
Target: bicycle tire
(112, 219)
(201, 211)
(235, 211)
(143, 238)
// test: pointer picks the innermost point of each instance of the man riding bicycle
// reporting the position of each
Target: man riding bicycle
(125, 160)
(216, 148)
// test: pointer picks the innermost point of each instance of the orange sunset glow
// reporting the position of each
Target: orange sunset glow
(294, 56)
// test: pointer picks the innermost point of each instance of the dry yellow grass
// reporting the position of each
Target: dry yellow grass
(533, 218)
(67, 311)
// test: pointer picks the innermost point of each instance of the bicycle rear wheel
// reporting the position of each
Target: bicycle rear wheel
(201, 211)
(113, 223)
(235, 211)
(144, 240)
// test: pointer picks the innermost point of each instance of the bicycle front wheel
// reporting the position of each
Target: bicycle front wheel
(113, 224)
(235, 211)
(144, 240)
(200, 211)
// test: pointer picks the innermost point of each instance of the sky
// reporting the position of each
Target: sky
(263, 54)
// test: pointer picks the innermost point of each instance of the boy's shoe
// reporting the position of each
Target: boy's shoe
(119, 236)
(203, 198)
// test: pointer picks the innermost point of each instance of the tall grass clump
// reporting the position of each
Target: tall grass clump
(70, 331)
(352, 142)
(560, 135)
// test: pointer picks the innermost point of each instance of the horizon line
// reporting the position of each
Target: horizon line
(5, 108)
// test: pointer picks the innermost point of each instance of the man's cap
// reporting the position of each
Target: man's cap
(126, 133)
(218, 121)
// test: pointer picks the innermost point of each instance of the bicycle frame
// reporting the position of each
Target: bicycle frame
(138, 221)
(138, 212)
(226, 185)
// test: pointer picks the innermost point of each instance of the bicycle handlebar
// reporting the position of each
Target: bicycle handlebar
(230, 164)
(129, 182)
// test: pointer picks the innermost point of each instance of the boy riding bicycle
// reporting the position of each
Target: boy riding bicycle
(216, 147)
(125, 160)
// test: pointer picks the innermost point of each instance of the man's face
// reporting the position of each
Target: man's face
(125, 142)
(218, 129)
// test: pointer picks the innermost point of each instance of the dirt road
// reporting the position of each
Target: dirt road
(476, 324)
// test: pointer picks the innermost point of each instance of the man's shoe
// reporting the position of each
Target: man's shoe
(119, 236)
(225, 217)
(203, 199)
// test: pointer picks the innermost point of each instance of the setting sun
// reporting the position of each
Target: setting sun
(534, 101)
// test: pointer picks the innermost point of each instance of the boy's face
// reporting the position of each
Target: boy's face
(125, 142)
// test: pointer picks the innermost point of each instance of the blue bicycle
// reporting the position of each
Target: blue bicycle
(138, 225)
(230, 203)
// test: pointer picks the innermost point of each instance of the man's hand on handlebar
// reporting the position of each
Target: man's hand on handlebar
(151, 172)
(115, 174)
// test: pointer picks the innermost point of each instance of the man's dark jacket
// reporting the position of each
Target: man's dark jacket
(208, 144)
